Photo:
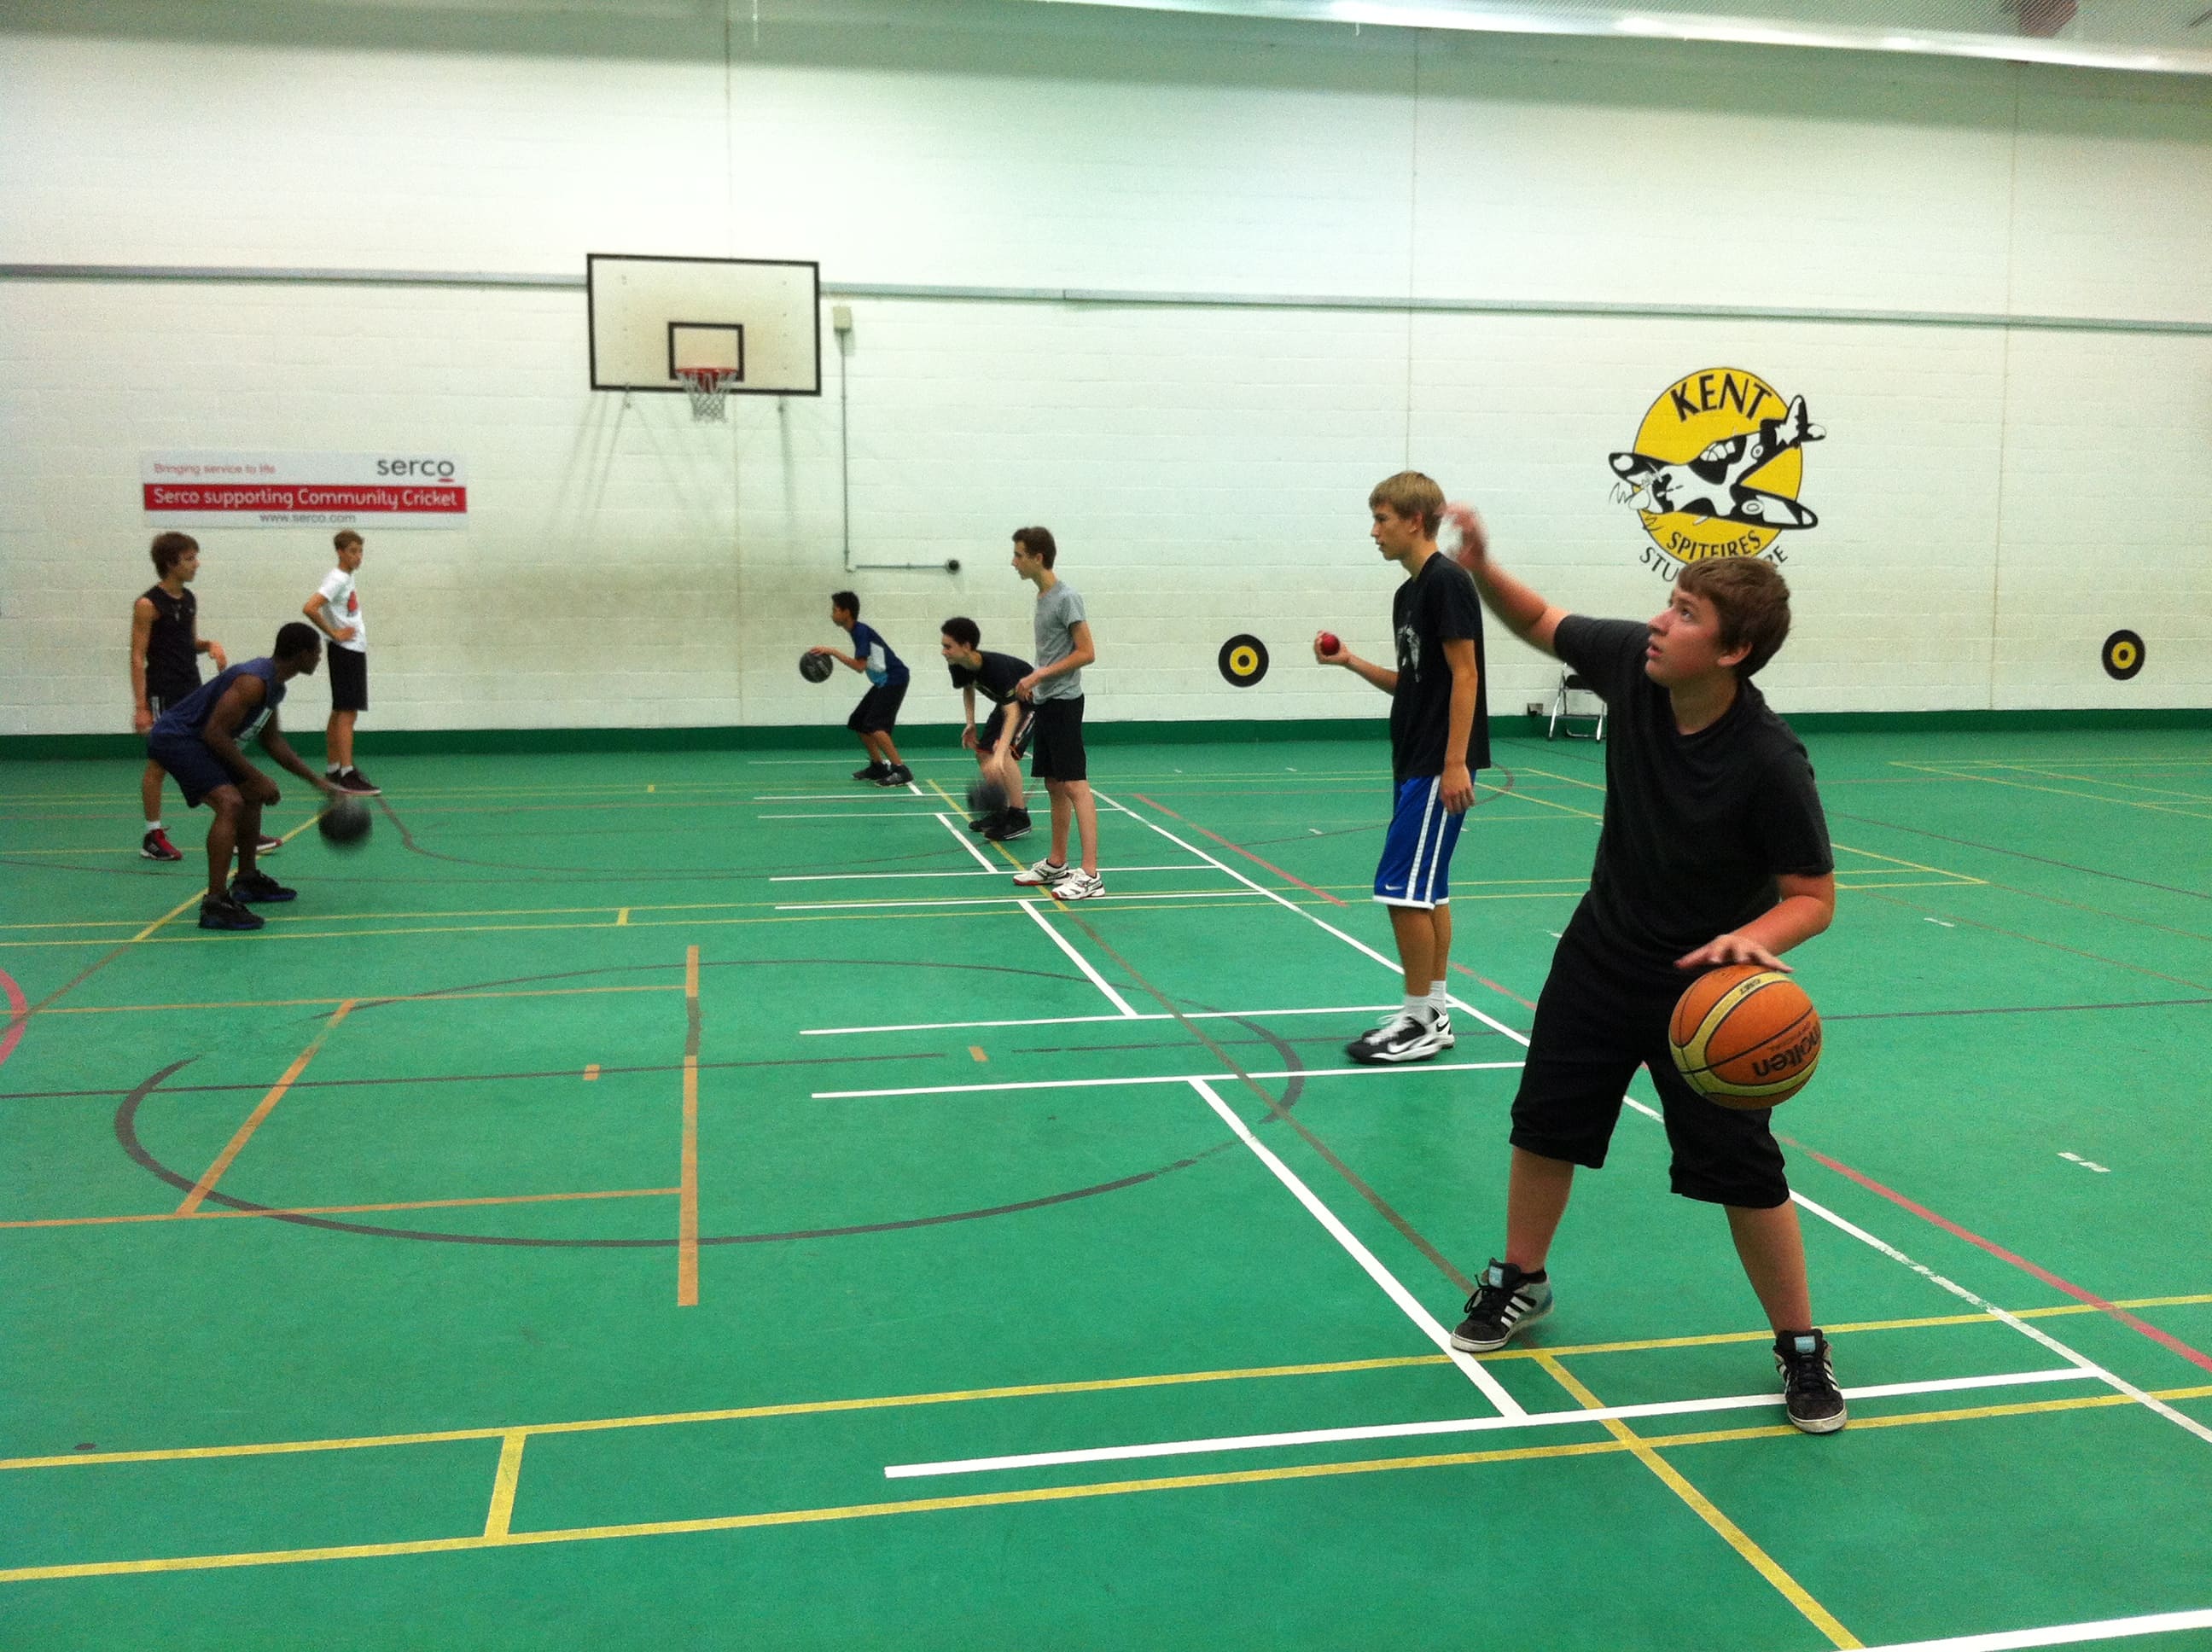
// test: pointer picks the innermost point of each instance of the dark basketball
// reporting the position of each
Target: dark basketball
(815, 668)
(986, 797)
(345, 823)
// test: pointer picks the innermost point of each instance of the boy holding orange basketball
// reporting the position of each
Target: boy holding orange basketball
(1714, 851)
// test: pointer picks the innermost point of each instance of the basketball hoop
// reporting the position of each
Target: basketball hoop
(710, 392)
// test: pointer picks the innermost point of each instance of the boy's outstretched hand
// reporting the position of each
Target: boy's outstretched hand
(1731, 949)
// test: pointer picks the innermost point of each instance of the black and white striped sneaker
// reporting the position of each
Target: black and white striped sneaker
(1440, 1024)
(1506, 1302)
(1808, 1382)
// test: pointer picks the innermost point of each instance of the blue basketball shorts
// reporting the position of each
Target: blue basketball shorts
(1417, 852)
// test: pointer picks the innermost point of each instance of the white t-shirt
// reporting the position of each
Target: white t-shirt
(344, 610)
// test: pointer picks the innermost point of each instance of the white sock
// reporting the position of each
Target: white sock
(154, 825)
(1439, 993)
(334, 769)
(1417, 1007)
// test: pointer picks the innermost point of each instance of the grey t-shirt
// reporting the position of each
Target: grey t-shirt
(1059, 611)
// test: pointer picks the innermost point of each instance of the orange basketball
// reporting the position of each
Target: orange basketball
(1745, 1036)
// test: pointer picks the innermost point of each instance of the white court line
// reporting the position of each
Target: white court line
(965, 840)
(1520, 1419)
(1081, 963)
(1469, 1367)
(876, 877)
(2010, 1640)
(2079, 1361)
(873, 791)
(1163, 1078)
(854, 814)
(1349, 940)
(1000, 899)
(1071, 1020)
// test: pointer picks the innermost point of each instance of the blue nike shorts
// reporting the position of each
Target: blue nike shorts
(1417, 852)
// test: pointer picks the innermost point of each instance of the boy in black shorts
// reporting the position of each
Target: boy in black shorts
(165, 649)
(1061, 627)
(336, 611)
(999, 747)
(1439, 736)
(1714, 851)
(877, 714)
(201, 741)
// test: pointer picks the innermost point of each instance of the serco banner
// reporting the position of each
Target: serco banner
(309, 490)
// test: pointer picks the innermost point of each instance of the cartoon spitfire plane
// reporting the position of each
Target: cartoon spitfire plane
(1712, 485)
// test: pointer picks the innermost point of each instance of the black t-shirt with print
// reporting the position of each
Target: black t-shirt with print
(1435, 605)
(994, 679)
(1698, 826)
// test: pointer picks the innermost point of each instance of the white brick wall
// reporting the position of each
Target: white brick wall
(1991, 504)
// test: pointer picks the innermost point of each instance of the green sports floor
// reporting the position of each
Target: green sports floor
(687, 1200)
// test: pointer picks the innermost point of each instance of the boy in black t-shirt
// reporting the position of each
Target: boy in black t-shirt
(999, 745)
(1714, 851)
(1439, 736)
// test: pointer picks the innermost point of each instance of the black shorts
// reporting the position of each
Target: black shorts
(1596, 1021)
(1059, 754)
(348, 678)
(878, 712)
(1024, 730)
(160, 696)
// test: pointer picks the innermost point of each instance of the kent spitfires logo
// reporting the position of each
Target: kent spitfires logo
(1716, 466)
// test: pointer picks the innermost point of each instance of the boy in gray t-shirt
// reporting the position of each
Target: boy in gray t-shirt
(1056, 754)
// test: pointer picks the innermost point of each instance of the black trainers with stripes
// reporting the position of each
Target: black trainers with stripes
(1809, 1393)
(1506, 1302)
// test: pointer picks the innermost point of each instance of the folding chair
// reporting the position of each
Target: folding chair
(1566, 711)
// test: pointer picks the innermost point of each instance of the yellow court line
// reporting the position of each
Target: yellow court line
(147, 933)
(1731, 1533)
(687, 1206)
(994, 1499)
(502, 1512)
(336, 1210)
(205, 1184)
(2060, 791)
(1095, 1385)
(361, 999)
(2098, 779)
(1940, 871)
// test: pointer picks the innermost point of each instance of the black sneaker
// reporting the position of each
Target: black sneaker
(353, 780)
(260, 886)
(896, 774)
(1808, 1382)
(1403, 1037)
(1015, 824)
(981, 823)
(1506, 1302)
(227, 913)
(873, 772)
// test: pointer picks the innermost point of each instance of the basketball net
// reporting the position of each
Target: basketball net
(710, 393)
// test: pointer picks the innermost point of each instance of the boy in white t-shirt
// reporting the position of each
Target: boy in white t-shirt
(335, 609)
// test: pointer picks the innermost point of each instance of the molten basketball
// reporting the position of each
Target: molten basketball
(1745, 1036)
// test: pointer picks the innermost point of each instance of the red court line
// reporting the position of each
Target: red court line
(19, 1015)
(2164, 1338)
(1239, 848)
(1492, 985)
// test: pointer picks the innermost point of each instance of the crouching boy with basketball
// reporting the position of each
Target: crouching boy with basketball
(1714, 850)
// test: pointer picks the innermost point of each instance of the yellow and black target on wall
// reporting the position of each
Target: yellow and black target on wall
(1242, 659)
(2123, 655)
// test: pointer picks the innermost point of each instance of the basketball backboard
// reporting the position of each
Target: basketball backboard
(650, 318)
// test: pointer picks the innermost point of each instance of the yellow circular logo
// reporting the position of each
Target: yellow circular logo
(1717, 467)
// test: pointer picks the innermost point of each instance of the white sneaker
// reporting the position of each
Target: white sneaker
(1046, 871)
(1080, 885)
(1440, 1024)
